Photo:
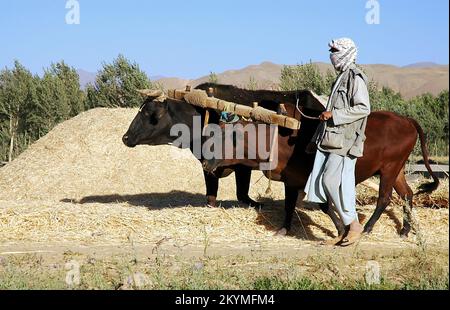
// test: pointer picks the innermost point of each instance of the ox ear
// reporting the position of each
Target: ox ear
(154, 95)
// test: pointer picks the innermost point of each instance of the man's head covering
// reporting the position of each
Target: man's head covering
(343, 53)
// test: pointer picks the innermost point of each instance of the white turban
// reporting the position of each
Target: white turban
(345, 54)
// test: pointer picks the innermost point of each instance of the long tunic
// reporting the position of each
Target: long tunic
(333, 174)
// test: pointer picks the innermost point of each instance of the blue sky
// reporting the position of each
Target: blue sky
(191, 38)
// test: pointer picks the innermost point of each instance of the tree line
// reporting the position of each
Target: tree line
(432, 112)
(31, 105)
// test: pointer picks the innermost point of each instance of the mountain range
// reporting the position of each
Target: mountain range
(410, 81)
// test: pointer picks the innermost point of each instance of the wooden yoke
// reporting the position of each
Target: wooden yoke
(210, 95)
(200, 98)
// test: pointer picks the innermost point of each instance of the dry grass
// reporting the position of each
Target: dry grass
(436, 200)
(80, 185)
(114, 224)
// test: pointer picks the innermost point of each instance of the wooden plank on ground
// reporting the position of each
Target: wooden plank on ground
(422, 168)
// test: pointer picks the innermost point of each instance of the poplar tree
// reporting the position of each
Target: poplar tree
(116, 85)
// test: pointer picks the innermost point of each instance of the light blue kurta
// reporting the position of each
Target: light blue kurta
(334, 176)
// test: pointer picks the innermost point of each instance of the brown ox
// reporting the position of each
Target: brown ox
(390, 140)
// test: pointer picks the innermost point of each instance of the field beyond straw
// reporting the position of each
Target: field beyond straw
(135, 218)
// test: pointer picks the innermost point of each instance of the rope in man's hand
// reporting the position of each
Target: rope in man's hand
(303, 114)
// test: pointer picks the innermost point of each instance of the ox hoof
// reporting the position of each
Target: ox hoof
(404, 233)
(367, 230)
(250, 203)
(211, 201)
(281, 233)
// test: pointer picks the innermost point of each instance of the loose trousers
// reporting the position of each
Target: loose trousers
(333, 178)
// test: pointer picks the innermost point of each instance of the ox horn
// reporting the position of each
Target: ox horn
(156, 95)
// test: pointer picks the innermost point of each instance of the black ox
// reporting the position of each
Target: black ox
(152, 125)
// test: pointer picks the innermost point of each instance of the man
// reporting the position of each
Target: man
(339, 141)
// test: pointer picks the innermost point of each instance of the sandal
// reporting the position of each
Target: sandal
(334, 241)
(351, 238)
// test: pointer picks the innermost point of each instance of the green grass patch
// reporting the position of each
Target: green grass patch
(410, 271)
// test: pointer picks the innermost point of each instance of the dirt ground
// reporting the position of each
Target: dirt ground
(78, 193)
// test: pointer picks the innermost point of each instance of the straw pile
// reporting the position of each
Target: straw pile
(81, 185)
(85, 156)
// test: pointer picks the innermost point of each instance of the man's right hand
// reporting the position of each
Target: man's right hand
(326, 116)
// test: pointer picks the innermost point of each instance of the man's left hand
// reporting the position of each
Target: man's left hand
(326, 116)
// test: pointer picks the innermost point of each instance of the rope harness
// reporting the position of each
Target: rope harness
(303, 114)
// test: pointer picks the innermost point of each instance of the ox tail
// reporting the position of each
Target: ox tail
(427, 187)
